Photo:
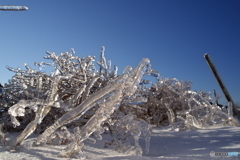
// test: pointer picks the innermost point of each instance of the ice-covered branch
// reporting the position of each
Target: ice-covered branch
(13, 8)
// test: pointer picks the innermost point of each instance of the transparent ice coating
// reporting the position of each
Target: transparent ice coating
(13, 8)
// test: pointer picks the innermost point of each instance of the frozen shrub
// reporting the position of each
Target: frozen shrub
(77, 95)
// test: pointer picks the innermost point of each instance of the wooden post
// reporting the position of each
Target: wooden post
(222, 86)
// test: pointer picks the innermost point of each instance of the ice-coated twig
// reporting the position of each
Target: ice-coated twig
(102, 58)
(13, 8)
(105, 66)
(114, 71)
(88, 87)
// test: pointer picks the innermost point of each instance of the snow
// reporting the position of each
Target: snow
(165, 144)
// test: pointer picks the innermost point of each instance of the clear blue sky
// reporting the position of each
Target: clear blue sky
(173, 34)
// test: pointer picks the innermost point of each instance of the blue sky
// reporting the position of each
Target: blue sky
(173, 34)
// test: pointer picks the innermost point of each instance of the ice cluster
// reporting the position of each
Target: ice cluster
(76, 95)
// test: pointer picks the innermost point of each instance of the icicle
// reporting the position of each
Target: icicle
(109, 67)
(30, 71)
(101, 59)
(2, 136)
(147, 144)
(114, 72)
(171, 116)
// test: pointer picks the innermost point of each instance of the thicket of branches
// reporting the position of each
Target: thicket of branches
(78, 95)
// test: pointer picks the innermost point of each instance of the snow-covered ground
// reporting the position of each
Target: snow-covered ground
(165, 144)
